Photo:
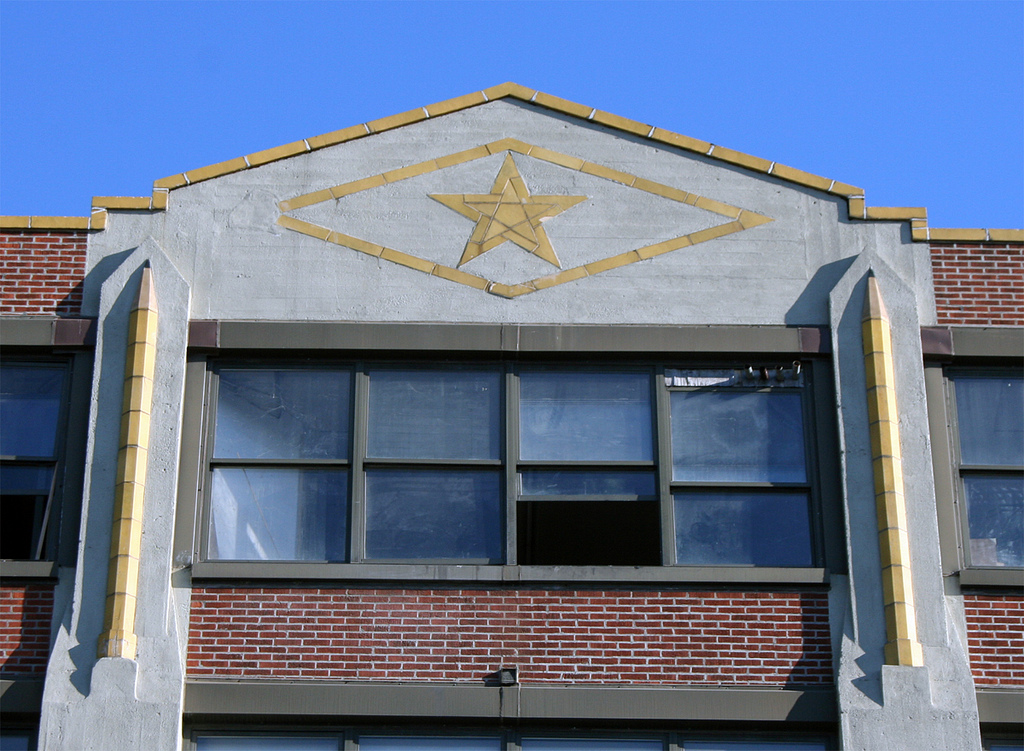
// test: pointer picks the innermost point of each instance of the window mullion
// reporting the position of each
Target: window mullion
(663, 429)
(360, 416)
(511, 467)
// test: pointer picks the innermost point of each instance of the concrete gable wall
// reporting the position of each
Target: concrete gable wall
(223, 235)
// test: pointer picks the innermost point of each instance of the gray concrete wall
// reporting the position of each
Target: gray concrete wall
(116, 703)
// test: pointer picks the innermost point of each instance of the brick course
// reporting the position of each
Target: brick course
(25, 615)
(995, 639)
(42, 273)
(979, 284)
(563, 636)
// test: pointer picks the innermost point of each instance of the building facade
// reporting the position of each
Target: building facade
(510, 423)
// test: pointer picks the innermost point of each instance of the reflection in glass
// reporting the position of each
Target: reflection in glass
(426, 743)
(30, 399)
(737, 529)
(585, 416)
(434, 514)
(990, 414)
(24, 492)
(737, 436)
(995, 515)
(435, 414)
(278, 514)
(591, 744)
(282, 414)
(252, 743)
(585, 482)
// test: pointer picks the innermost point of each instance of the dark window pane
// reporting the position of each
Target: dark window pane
(589, 533)
(435, 414)
(434, 514)
(736, 528)
(990, 414)
(283, 414)
(17, 740)
(279, 514)
(585, 417)
(590, 744)
(399, 743)
(741, 436)
(24, 491)
(587, 482)
(283, 743)
(30, 399)
(995, 515)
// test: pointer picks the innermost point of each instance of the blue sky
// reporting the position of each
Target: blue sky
(919, 103)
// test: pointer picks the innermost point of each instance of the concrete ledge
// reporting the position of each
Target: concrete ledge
(229, 699)
(408, 337)
(28, 570)
(47, 332)
(442, 575)
(1001, 705)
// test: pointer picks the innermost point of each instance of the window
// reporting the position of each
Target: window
(989, 453)
(32, 415)
(533, 465)
(499, 742)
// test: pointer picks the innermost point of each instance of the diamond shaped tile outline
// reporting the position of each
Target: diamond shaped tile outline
(741, 219)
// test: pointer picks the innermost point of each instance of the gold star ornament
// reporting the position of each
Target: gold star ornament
(509, 213)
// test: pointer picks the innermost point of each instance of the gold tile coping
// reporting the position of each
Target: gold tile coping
(854, 195)
(741, 218)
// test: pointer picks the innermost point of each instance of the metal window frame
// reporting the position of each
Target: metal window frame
(970, 573)
(56, 545)
(512, 348)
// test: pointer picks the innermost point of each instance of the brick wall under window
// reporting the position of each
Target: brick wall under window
(995, 639)
(25, 615)
(979, 284)
(42, 273)
(570, 636)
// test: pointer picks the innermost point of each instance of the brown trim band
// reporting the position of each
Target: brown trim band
(47, 332)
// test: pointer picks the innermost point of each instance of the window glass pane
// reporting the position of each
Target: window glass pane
(283, 414)
(585, 482)
(17, 740)
(759, 529)
(434, 514)
(990, 415)
(435, 414)
(738, 436)
(29, 408)
(590, 744)
(282, 743)
(753, 746)
(278, 514)
(585, 417)
(995, 516)
(24, 491)
(399, 743)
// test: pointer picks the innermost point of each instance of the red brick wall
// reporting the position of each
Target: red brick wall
(41, 273)
(995, 639)
(979, 284)
(570, 636)
(25, 615)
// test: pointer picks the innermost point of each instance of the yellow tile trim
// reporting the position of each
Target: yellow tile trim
(742, 218)
(896, 213)
(902, 646)
(967, 235)
(1006, 235)
(129, 203)
(118, 638)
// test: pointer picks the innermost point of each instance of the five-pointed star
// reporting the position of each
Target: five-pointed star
(510, 213)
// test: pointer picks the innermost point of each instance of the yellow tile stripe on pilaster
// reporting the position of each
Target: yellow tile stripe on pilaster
(118, 638)
(901, 646)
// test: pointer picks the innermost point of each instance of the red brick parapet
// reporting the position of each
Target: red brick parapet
(41, 273)
(995, 639)
(25, 615)
(979, 283)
